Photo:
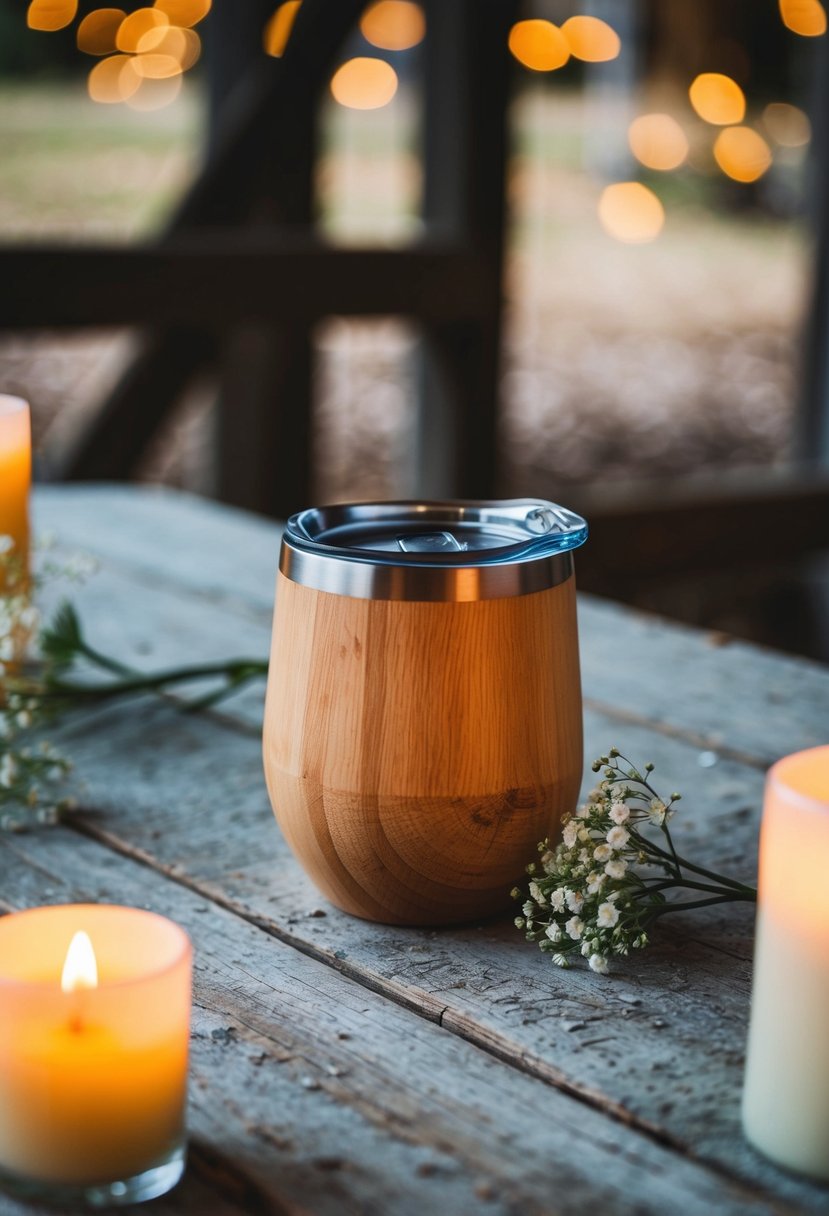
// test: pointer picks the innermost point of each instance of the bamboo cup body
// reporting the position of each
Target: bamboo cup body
(416, 752)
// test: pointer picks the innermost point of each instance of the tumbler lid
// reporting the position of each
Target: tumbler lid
(432, 550)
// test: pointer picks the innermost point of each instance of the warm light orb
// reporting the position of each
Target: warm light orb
(630, 212)
(184, 13)
(51, 15)
(804, 17)
(393, 25)
(154, 93)
(742, 154)
(156, 67)
(113, 79)
(182, 45)
(591, 39)
(97, 31)
(538, 45)
(717, 99)
(143, 25)
(277, 31)
(80, 970)
(658, 141)
(364, 84)
(787, 125)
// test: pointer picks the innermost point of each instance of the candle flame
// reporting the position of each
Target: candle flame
(81, 967)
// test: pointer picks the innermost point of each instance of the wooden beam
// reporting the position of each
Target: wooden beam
(214, 280)
(751, 518)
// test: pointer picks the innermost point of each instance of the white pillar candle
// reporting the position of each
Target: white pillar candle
(786, 1093)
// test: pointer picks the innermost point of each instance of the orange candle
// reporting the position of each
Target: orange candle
(15, 477)
(95, 1010)
(786, 1094)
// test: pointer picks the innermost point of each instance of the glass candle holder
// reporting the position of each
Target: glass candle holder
(93, 1054)
(786, 1092)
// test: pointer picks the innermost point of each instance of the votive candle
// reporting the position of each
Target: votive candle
(15, 476)
(93, 1054)
(786, 1092)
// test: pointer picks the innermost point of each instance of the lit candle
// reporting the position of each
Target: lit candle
(15, 476)
(95, 1015)
(786, 1094)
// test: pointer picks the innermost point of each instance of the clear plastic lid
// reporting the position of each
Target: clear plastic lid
(443, 534)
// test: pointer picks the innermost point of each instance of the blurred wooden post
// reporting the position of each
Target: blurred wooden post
(811, 437)
(263, 424)
(465, 118)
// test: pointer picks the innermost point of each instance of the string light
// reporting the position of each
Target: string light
(538, 45)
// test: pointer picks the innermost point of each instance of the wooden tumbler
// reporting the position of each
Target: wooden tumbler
(423, 719)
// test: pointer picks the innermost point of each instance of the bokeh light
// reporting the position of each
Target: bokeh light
(658, 141)
(804, 17)
(183, 45)
(539, 45)
(113, 79)
(154, 94)
(96, 33)
(364, 83)
(742, 154)
(145, 27)
(393, 25)
(277, 30)
(717, 99)
(787, 125)
(156, 67)
(51, 15)
(184, 13)
(630, 212)
(591, 39)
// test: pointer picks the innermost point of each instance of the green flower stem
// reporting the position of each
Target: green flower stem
(649, 847)
(236, 672)
(745, 894)
(102, 660)
(703, 903)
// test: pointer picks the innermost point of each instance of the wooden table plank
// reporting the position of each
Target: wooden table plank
(329, 1098)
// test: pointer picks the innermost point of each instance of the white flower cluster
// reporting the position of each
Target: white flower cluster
(586, 895)
(28, 769)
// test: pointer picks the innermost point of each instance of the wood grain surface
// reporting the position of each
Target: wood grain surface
(344, 1066)
(415, 753)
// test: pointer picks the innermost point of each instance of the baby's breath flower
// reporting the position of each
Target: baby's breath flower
(617, 837)
(557, 900)
(574, 900)
(616, 868)
(657, 811)
(595, 881)
(604, 882)
(619, 812)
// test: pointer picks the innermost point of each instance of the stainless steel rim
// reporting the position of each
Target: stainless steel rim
(449, 584)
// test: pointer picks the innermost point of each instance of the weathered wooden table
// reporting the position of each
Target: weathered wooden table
(340, 1066)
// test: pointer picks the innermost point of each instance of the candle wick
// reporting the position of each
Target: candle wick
(76, 1023)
